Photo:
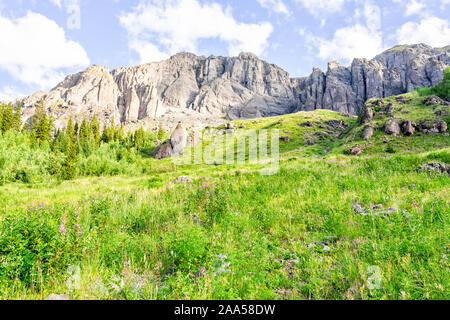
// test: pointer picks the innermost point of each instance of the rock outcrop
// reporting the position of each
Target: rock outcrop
(368, 132)
(175, 146)
(438, 167)
(391, 127)
(408, 127)
(201, 89)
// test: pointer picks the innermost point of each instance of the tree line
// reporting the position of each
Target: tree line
(76, 139)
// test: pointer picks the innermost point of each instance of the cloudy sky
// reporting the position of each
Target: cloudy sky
(41, 41)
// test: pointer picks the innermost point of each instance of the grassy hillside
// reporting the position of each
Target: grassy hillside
(328, 225)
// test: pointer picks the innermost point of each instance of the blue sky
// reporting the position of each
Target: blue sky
(42, 41)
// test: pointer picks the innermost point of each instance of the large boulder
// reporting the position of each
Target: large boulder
(174, 146)
(366, 115)
(368, 132)
(408, 127)
(391, 127)
(163, 151)
(178, 139)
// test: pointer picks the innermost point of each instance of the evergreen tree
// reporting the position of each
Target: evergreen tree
(121, 134)
(139, 137)
(105, 137)
(161, 133)
(17, 121)
(69, 165)
(42, 125)
(95, 128)
(7, 117)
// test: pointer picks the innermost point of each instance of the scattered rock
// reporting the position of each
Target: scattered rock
(286, 138)
(428, 126)
(391, 127)
(308, 124)
(58, 297)
(368, 132)
(310, 141)
(157, 143)
(374, 210)
(442, 113)
(434, 100)
(336, 124)
(402, 99)
(356, 150)
(408, 127)
(438, 167)
(390, 109)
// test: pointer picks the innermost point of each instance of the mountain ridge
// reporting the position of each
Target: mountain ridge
(207, 90)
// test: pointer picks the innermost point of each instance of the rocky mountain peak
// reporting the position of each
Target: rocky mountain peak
(202, 90)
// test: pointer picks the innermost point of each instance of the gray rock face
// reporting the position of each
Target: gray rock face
(396, 71)
(238, 87)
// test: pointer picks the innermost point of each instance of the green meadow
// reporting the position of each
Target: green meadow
(326, 225)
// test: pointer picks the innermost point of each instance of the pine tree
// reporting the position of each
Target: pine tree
(105, 137)
(69, 165)
(17, 122)
(139, 137)
(121, 134)
(161, 133)
(7, 117)
(42, 125)
(95, 128)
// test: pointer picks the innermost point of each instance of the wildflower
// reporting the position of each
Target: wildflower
(78, 229)
(62, 229)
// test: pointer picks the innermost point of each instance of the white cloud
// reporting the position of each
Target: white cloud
(415, 7)
(372, 13)
(276, 6)
(9, 93)
(355, 41)
(178, 25)
(57, 3)
(34, 50)
(319, 6)
(432, 31)
(351, 42)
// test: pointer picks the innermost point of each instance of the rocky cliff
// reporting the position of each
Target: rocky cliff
(204, 90)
